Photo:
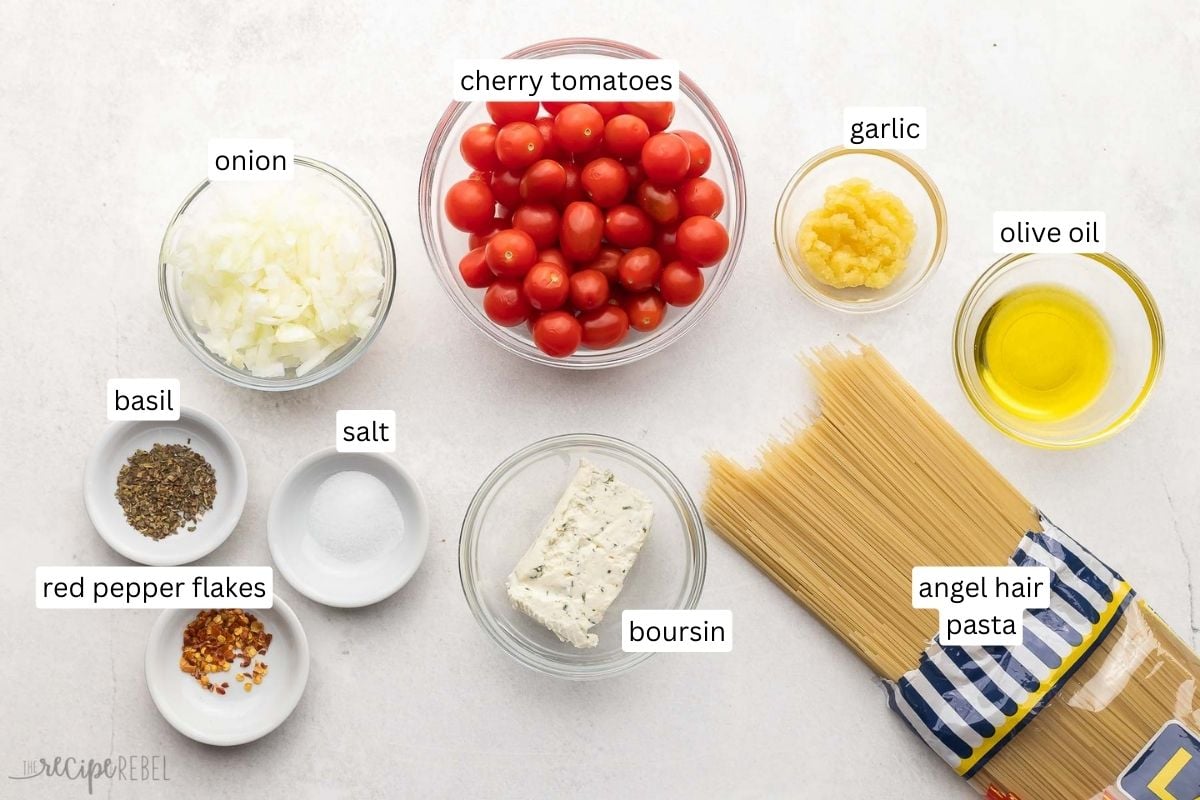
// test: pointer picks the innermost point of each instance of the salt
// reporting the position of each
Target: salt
(354, 517)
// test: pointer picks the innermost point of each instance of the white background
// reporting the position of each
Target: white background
(106, 110)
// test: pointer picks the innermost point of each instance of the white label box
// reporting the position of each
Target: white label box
(142, 398)
(360, 431)
(890, 127)
(251, 159)
(1049, 232)
(676, 631)
(154, 587)
(566, 79)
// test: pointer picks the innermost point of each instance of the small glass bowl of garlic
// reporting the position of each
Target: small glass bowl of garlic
(278, 285)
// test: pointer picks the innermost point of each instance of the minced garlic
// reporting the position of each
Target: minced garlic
(860, 237)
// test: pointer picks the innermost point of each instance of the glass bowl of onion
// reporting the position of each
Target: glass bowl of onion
(278, 285)
(694, 113)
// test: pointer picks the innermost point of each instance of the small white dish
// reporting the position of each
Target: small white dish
(237, 716)
(321, 575)
(204, 435)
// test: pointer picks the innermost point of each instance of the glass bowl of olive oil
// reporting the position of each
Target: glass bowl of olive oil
(1058, 350)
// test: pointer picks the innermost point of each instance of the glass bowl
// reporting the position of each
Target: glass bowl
(307, 169)
(446, 245)
(510, 508)
(886, 170)
(1135, 329)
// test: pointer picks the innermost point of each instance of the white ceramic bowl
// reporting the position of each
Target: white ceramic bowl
(237, 716)
(118, 442)
(322, 576)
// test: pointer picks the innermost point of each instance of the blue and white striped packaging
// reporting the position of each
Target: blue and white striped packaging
(966, 703)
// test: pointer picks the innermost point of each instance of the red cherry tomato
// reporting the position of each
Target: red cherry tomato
(476, 175)
(505, 303)
(557, 334)
(547, 286)
(519, 144)
(544, 180)
(578, 128)
(511, 253)
(540, 220)
(504, 113)
(480, 238)
(700, 197)
(552, 108)
(589, 289)
(607, 110)
(545, 126)
(605, 181)
(637, 176)
(657, 116)
(702, 240)
(639, 269)
(665, 158)
(665, 242)
(661, 205)
(700, 151)
(478, 147)
(573, 190)
(554, 256)
(606, 262)
(582, 230)
(646, 310)
(680, 284)
(628, 226)
(506, 187)
(604, 327)
(474, 269)
(625, 134)
(470, 206)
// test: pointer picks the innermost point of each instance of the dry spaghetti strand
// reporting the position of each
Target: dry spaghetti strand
(839, 514)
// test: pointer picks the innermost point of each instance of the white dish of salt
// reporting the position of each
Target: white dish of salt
(347, 529)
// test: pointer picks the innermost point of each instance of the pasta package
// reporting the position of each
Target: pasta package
(1099, 701)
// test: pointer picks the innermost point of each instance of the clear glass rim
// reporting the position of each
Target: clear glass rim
(599, 359)
(243, 379)
(964, 347)
(782, 237)
(693, 584)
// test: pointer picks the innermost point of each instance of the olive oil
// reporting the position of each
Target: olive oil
(1043, 353)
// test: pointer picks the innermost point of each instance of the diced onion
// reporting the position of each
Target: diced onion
(277, 276)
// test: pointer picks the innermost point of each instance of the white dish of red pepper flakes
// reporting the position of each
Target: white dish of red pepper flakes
(227, 676)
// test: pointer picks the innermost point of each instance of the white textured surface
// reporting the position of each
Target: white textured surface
(107, 110)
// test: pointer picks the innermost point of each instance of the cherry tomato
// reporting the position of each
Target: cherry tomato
(506, 187)
(606, 262)
(680, 284)
(661, 205)
(589, 289)
(474, 269)
(700, 197)
(540, 221)
(544, 180)
(480, 238)
(547, 286)
(607, 110)
(665, 158)
(665, 242)
(628, 226)
(511, 253)
(519, 144)
(582, 230)
(700, 151)
(625, 134)
(578, 128)
(702, 240)
(645, 309)
(552, 108)
(637, 176)
(557, 334)
(470, 206)
(605, 181)
(573, 190)
(478, 147)
(545, 126)
(505, 303)
(554, 256)
(504, 113)
(657, 116)
(639, 269)
(604, 327)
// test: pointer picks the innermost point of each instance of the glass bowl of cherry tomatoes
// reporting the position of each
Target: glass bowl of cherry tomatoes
(583, 235)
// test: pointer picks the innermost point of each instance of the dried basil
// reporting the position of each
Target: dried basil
(165, 488)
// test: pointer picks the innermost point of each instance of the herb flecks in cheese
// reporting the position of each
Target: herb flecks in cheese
(577, 566)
